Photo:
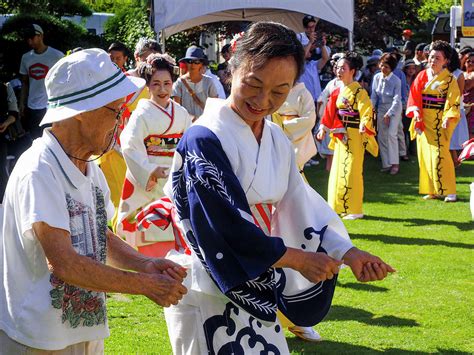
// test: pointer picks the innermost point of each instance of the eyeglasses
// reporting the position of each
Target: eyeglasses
(192, 61)
(118, 113)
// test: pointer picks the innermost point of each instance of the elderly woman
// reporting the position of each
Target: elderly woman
(348, 117)
(260, 239)
(386, 100)
(434, 106)
(55, 242)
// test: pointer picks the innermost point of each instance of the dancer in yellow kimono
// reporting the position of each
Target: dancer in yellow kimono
(349, 118)
(434, 106)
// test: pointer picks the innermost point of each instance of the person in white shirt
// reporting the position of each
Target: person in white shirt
(34, 67)
(55, 242)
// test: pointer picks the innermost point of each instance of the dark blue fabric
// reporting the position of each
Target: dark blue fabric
(237, 254)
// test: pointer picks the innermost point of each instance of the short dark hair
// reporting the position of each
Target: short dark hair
(307, 19)
(353, 59)
(119, 47)
(444, 47)
(420, 47)
(389, 59)
(225, 48)
(465, 50)
(264, 41)
(155, 63)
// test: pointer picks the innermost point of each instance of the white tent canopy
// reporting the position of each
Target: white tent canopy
(173, 16)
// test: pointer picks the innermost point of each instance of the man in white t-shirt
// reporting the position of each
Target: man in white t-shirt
(314, 47)
(55, 242)
(34, 66)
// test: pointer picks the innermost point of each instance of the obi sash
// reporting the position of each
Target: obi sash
(349, 118)
(433, 101)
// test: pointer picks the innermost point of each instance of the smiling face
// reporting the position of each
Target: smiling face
(161, 85)
(437, 61)
(257, 93)
(385, 69)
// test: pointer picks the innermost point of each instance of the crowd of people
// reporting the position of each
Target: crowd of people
(156, 180)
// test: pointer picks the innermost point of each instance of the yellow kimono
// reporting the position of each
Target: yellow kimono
(437, 98)
(348, 109)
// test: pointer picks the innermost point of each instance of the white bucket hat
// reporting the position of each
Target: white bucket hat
(85, 81)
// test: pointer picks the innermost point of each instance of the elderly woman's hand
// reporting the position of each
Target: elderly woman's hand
(162, 289)
(159, 173)
(365, 266)
(320, 135)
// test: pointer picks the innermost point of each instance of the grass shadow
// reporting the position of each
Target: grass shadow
(362, 287)
(344, 313)
(414, 222)
(390, 239)
(299, 346)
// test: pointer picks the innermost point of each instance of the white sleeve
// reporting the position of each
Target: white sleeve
(11, 99)
(299, 127)
(40, 199)
(23, 68)
(304, 216)
(134, 150)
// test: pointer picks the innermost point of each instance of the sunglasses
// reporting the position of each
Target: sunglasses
(118, 113)
(193, 61)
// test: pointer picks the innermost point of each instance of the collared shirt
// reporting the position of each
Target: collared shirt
(386, 95)
(38, 309)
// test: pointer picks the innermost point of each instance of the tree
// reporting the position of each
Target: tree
(56, 8)
(429, 9)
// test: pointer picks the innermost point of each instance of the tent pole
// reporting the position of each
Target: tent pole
(351, 41)
(163, 40)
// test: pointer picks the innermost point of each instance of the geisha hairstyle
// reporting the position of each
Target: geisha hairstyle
(157, 62)
(444, 47)
(354, 60)
(264, 41)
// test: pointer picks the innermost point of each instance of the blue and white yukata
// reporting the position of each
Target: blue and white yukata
(240, 204)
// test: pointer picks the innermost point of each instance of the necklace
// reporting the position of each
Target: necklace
(109, 145)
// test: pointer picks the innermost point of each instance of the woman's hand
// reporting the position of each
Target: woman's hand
(8, 122)
(320, 135)
(159, 173)
(361, 128)
(315, 267)
(318, 267)
(365, 266)
(165, 266)
(416, 116)
(386, 120)
(446, 123)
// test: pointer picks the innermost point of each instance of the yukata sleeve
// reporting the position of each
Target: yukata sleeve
(299, 126)
(453, 99)
(134, 150)
(364, 106)
(415, 102)
(209, 198)
(305, 221)
(327, 121)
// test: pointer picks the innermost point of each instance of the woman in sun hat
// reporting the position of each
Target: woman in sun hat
(193, 89)
(55, 241)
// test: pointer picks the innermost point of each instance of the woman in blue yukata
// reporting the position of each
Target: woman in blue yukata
(258, 238)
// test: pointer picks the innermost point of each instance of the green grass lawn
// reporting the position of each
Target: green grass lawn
(426, 307)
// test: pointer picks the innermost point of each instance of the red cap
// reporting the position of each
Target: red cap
(407, 32)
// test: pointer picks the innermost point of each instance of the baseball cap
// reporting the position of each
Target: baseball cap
(32, 30)
(85, 81)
